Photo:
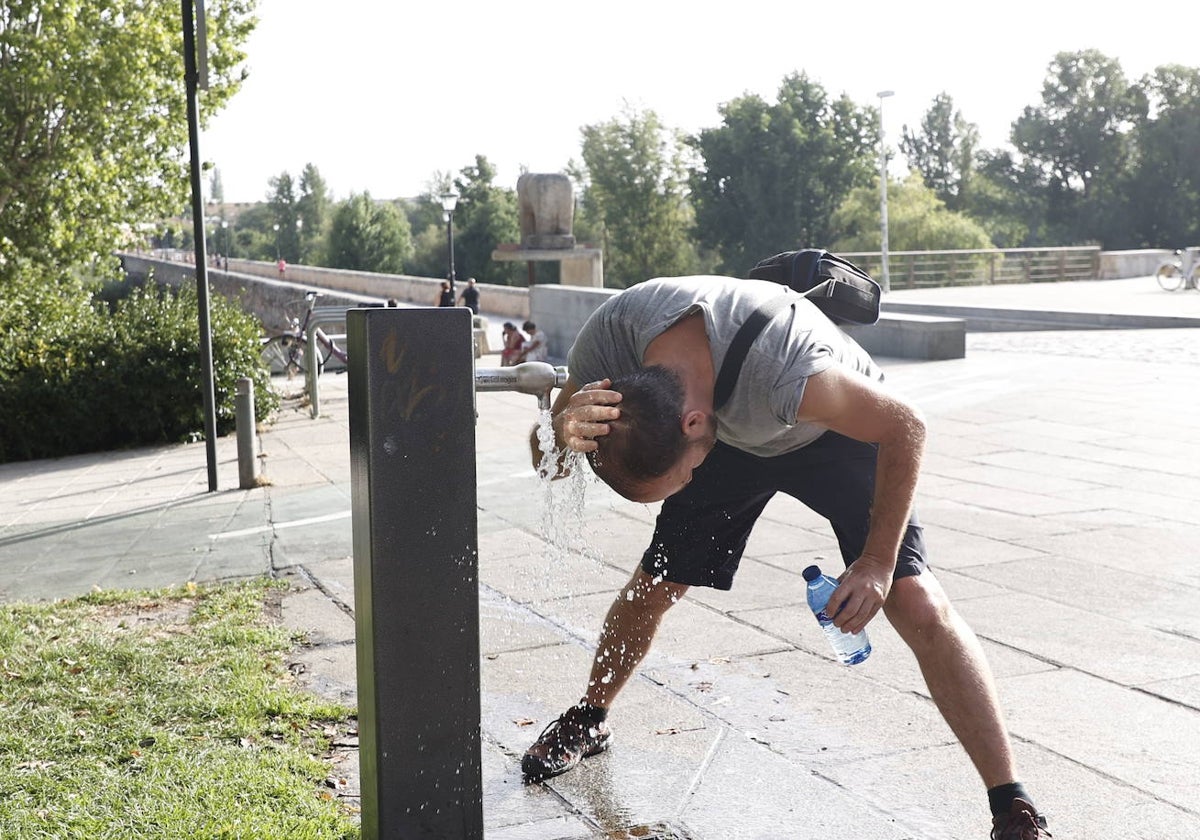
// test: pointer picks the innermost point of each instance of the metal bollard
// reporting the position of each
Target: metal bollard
(247, 437)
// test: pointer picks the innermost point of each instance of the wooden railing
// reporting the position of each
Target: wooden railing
(923, 269)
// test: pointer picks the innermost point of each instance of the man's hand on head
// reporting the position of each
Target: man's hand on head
(587, 415)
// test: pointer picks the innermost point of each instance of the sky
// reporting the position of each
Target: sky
(382, 95)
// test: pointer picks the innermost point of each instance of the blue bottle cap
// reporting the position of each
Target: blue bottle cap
(812, 573)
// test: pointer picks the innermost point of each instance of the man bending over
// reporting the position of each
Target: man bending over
(808, 416)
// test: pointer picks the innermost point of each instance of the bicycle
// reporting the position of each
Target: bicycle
(1183, 272)
(287, 352)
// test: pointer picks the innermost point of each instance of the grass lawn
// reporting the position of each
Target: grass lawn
(166, 714)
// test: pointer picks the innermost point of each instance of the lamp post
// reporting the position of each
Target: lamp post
(275, 227)
(449, 200)
(883, 227)
(299, 240)
(228, 241)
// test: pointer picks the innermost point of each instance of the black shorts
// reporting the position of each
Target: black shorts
(702, 530)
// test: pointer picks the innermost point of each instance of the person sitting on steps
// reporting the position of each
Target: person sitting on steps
(535, 349)
(513, 342)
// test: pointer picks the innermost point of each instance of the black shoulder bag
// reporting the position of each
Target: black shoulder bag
(839, 288)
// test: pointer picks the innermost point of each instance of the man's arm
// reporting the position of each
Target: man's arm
(860, 408)
(579, 415)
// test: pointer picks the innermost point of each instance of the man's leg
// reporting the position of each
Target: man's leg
(956, 672)
(625, 639)
(699, 537)
(961, 685)
(627, 633)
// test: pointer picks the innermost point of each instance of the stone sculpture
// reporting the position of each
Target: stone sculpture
(547, 208)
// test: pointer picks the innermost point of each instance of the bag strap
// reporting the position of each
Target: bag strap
(731, 365)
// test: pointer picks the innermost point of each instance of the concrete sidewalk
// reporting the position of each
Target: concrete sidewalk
(1061, 504)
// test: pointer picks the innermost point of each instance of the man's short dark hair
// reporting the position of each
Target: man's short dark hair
(647, 439)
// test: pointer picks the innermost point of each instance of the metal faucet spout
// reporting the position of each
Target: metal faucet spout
(536, 378)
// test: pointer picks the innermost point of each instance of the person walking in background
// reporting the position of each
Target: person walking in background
(535, 347)
(470, 296)
(445, 295)
(513, 342)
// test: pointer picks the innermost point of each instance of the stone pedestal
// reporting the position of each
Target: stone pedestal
(579, 266)
(547, 208)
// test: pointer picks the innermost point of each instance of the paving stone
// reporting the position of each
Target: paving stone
(1060, 479)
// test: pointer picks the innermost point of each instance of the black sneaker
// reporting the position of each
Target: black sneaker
(569, 739)
(1022, 822)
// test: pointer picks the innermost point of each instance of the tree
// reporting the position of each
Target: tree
(485, 217)
(943, 151)
(918, 220)
(252, 236)
(369, 236)
(1008, 198)
(1164, 183)
(424, 216)
(1077, 138)
(282, 201)
(635, 190)
(312, 210)
(92, 111)
(774, 173)
(216, 187)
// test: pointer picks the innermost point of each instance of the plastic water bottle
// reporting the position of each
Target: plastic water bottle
(851, 648)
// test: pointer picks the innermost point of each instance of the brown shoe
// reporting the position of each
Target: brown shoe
(568, 740)
(1022, 822)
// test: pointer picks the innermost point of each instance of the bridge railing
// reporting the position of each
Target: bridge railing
(923, 269)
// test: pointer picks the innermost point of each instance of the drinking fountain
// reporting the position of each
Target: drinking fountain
(412, 393)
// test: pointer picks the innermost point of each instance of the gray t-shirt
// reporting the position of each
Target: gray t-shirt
(760, 416)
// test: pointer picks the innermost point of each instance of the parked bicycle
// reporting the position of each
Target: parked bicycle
(287, 352)
(1181, 272)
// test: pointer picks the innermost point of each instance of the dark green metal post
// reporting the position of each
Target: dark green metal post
(416, 570)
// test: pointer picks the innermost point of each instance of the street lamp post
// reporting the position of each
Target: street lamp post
(299, 240)
(883, 220)
(449, 200)
(228, 241)
(275, 227)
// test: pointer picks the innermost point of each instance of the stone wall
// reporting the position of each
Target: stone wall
(507, 301)
(1117, 265)
(560, 311)
(272, 301)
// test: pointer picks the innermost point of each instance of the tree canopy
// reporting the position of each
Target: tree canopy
(943, 151)
(1078, 138)
(1163, 183)
(486, 216)
(634, 191)
(93, 116)
(369, 236)
(918, 220)
(773, 173)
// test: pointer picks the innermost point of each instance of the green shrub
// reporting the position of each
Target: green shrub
(77, 377)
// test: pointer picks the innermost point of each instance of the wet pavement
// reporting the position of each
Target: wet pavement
(1061, 501)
